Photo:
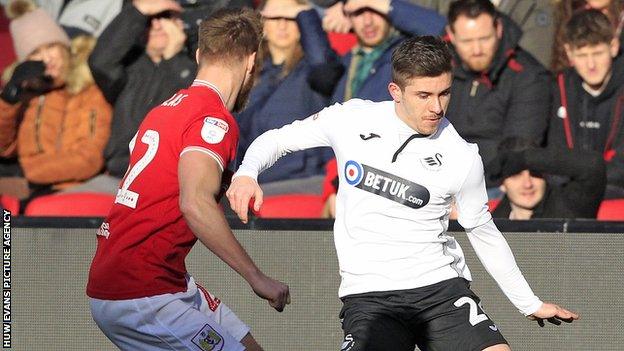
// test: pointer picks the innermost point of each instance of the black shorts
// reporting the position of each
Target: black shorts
(440, 317)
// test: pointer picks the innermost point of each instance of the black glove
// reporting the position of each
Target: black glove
(28, 77)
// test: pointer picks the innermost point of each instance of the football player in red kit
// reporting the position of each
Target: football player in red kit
(141, 294)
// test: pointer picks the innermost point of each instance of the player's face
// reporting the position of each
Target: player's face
(524, 189)
(593, 62)
(476, 40)
(280, 33)
(370, 27)
(423, 101)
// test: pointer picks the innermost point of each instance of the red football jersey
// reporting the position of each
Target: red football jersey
(144, 240)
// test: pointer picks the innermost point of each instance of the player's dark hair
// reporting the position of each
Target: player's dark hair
(471, 9)
(230, 35)
(588, 27)
(422, 56)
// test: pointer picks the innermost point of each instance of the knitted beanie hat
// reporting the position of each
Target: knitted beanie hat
(32, 27)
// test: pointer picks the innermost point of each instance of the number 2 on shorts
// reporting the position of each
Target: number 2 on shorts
(126, 196)
(474, 317)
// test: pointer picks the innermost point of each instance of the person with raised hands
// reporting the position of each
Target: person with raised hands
(139, 61)
(380, 26)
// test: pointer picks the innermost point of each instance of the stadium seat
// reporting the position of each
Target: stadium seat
(71, 205)
(10, 203)
(291, 206)
(341, 43)
(7, 54)
(611, 210)
(493, 203)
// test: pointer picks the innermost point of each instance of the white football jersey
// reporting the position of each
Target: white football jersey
(394, 198)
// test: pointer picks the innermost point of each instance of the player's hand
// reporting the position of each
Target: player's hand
(241, 191)
(381, 6)
(275, 292)
(152, 7)
(335, 19)
(175, 34)
(553, 314)
(274, 10)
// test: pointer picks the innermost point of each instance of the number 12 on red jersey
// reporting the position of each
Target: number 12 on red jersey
(125, 196)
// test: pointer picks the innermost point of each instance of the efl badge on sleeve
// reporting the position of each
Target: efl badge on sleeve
(214, 130)
(208, 339)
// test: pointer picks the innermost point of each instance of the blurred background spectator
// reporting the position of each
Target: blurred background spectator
(80, 16)
(524, 168)
(613, 9)
(534, 17)
(380, 25)
(139, 61)
(499, 90)
(52, 116)
(282, 94)
(196, 10)
(588, 111)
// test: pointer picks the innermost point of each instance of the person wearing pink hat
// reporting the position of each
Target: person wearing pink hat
(52, 116)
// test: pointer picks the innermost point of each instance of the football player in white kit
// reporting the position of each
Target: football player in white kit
(401, 164)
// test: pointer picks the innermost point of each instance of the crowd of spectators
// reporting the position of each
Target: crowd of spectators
(538, 85)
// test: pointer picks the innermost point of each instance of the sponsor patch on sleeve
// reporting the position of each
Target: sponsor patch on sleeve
(214, 130)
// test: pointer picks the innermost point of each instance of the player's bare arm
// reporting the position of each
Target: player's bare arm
(200, 181)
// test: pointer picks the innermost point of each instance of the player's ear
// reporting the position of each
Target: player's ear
(251, 61)
(395, 92)
(197, 57)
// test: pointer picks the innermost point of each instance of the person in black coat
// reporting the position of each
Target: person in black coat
(138, 62)
(524, 168)
(588, 110)
(499, 90)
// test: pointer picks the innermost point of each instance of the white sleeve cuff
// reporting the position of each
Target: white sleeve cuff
(246, 171)
(533, 308)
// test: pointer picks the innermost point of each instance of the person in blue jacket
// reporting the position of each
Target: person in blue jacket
(282, 92)
(380, 26)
